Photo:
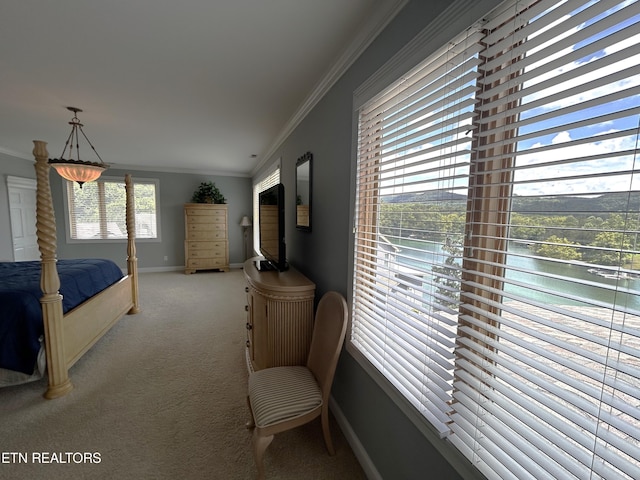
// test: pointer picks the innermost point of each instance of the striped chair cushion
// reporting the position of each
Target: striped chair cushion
(281, 393)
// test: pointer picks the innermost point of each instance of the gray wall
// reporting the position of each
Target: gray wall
(175, 190)
(397, 448)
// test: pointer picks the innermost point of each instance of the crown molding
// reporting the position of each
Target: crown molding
(459, 16)
(181, 170)
(143, 168)
(368, 33)
(13, 153)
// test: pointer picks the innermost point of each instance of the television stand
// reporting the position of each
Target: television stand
(279, 321)
(267, 266)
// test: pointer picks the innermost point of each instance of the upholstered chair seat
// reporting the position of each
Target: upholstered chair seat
(283, 393)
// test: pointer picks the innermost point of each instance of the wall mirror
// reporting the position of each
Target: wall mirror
(303, 192)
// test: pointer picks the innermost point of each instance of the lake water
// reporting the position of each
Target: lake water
(553, 283)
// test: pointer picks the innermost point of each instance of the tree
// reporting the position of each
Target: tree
(449, 274)
(610, 249)
(559, 248)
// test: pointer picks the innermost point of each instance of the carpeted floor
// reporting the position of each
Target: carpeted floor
(161, 396)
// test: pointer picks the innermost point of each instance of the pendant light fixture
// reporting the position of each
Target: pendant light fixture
(76, 170)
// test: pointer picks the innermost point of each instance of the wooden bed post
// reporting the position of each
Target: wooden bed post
(59, 383)
(132, 260)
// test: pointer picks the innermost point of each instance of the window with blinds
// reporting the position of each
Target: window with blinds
(496, 278)
(269, 180)
(413, 165)
(97, 211)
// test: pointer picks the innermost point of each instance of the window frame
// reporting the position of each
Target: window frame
(116, 179)
(376, 84)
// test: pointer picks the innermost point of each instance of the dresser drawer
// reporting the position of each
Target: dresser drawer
(206, 233)
(203, 254)
(201, 263)
(219, 251)
(196, 219)
(204, 245)
(207, 227)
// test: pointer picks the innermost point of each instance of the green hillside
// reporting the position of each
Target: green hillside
(576, 205)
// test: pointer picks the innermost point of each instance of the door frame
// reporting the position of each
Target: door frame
(22, 184)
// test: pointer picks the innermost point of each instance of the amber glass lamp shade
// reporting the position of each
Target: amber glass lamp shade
(78, 170)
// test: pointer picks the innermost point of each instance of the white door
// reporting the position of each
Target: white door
(22, 206)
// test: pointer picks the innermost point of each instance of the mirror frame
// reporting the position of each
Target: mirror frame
(306, 159)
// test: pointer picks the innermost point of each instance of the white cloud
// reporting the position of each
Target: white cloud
(549, 178)
(561, 137)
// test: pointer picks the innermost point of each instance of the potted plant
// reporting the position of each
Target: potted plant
(207, 192)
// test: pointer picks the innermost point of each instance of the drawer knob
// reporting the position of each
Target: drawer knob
(246, 289)
(249, 326)
(248, 343)
(246, 308)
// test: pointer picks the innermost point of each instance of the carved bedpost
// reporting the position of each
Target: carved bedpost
(132, 260)
(51, 301)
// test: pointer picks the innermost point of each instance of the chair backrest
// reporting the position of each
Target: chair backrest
(329, 330)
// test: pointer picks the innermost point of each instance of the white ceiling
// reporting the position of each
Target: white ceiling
(189, 85)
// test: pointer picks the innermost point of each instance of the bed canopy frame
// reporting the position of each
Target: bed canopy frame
(69, 336)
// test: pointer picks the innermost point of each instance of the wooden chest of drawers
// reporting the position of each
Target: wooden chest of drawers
(206, 244)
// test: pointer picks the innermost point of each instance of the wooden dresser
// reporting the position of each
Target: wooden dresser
(279, 316)
(206, 244)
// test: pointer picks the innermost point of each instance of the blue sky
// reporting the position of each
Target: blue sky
(611, 151)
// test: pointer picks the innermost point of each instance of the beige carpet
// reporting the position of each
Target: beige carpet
(161, 396)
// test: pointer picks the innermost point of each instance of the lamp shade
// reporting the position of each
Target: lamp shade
(245, 222)
(78, 170)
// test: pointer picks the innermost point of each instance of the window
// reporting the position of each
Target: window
(97, 211)
(496, 278)
(271, 178)
(413, 167)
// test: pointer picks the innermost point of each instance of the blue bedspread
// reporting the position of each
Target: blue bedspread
(20, 313)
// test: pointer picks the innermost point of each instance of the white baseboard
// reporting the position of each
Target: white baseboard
(358, 449)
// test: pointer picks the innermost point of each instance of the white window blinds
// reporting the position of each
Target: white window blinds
(271, 178)
(97, 211)
(496, 277)
(548, 364)
(414, 151)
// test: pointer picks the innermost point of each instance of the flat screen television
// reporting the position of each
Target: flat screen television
(271, 229)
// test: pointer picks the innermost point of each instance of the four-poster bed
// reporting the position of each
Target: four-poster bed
(67, 336)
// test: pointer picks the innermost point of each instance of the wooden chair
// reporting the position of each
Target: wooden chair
(282, 398)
